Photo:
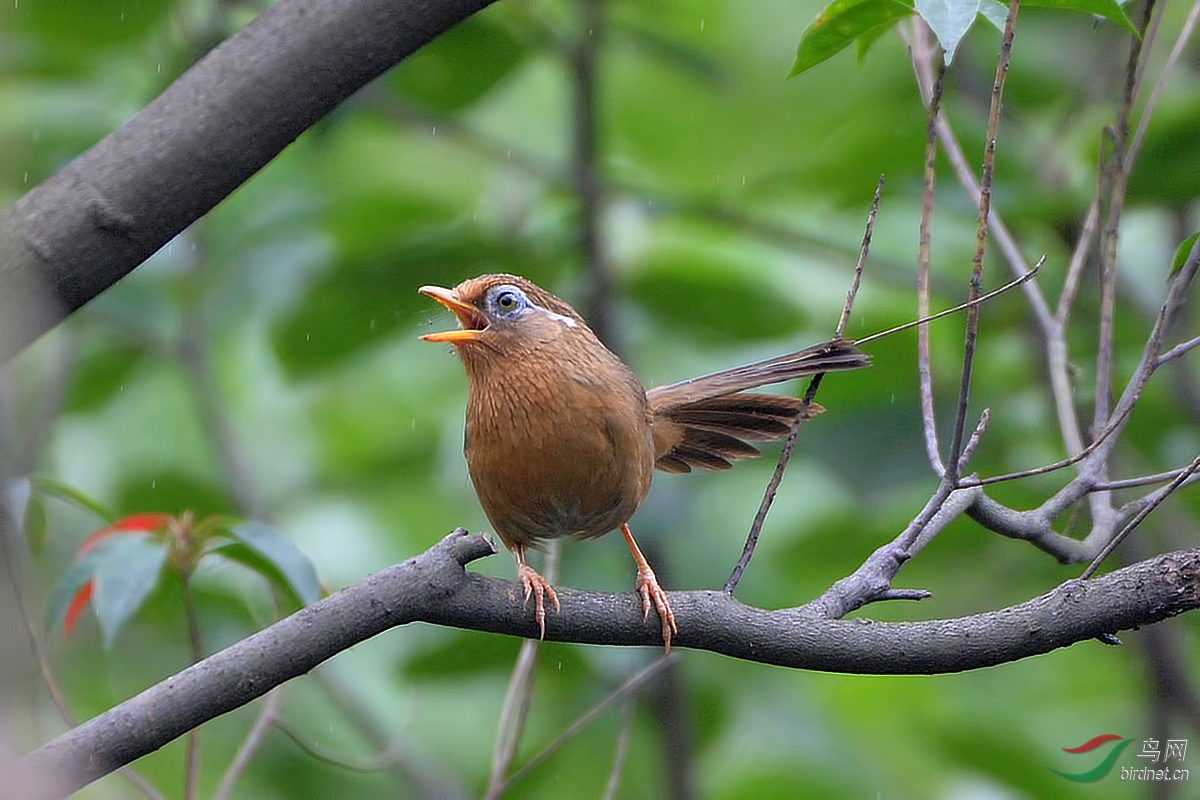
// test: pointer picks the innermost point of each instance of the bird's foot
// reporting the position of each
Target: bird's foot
(540, 588)
(648, 587)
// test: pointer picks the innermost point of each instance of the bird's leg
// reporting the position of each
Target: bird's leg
(648, 587)
(538, 586)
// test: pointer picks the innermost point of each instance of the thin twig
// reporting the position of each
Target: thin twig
(626, 689)
(1114, 178)
(622, 748)
(1005, 243)
(861, 264)
(1113, 427)
(924, 359)
(423, 776)
(1152, 503)
(973, 441)
(1177, 351)
(919, 323)
(785, 455)
(1058, 359)
(191, 772)
(1181, 42)
(251, 744)
(1144, 480)
(981, 231)
(511, 725)
(377, 763)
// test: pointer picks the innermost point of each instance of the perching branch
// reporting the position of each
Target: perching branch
(434, 587)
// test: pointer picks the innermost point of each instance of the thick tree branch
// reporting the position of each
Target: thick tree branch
(434, 587)
(110, 209)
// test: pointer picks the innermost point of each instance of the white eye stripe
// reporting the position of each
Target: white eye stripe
(570, 323)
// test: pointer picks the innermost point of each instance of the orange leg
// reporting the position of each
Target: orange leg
(536, 585)
(648, 587)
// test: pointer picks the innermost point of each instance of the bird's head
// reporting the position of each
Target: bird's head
(503, 313)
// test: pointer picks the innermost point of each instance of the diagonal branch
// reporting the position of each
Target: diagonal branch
(81, 230)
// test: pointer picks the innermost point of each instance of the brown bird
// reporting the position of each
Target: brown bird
(561, 438)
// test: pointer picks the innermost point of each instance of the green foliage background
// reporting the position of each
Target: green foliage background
(736, 201)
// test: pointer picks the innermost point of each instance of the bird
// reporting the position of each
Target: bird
(562, 439)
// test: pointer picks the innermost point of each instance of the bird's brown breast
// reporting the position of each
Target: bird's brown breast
(557, 446)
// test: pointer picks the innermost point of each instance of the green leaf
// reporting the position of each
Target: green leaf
(79, 573)
(863, 43)
(1182, 253)
(950, 20)
(840, 23)
(125, 574)
(1109, 9)
(255, 562)
(52, 488)
(284, 557)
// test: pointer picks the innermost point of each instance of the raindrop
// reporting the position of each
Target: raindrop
(434, 130)
(154, 483)
(702, 26)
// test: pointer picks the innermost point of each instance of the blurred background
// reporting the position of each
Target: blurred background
(651, 163)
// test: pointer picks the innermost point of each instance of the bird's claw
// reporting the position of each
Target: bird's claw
(652, 593)
(539, 588)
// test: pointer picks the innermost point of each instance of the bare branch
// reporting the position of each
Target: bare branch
(924, 370)
(981, 231)
(1168, 69)
(922, 321)
(861, 264)
(1153, 502)
(872, 582)
(267, 716)
(434, 587)
(785, 455)
(78, 232)
(513, 713)
(622, 692)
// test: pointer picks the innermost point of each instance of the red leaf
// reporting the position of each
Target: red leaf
(78, 603)
(145, 523)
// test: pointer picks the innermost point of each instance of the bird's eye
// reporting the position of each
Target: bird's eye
(509, 300)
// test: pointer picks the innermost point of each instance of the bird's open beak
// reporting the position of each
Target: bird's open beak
(470, 319)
